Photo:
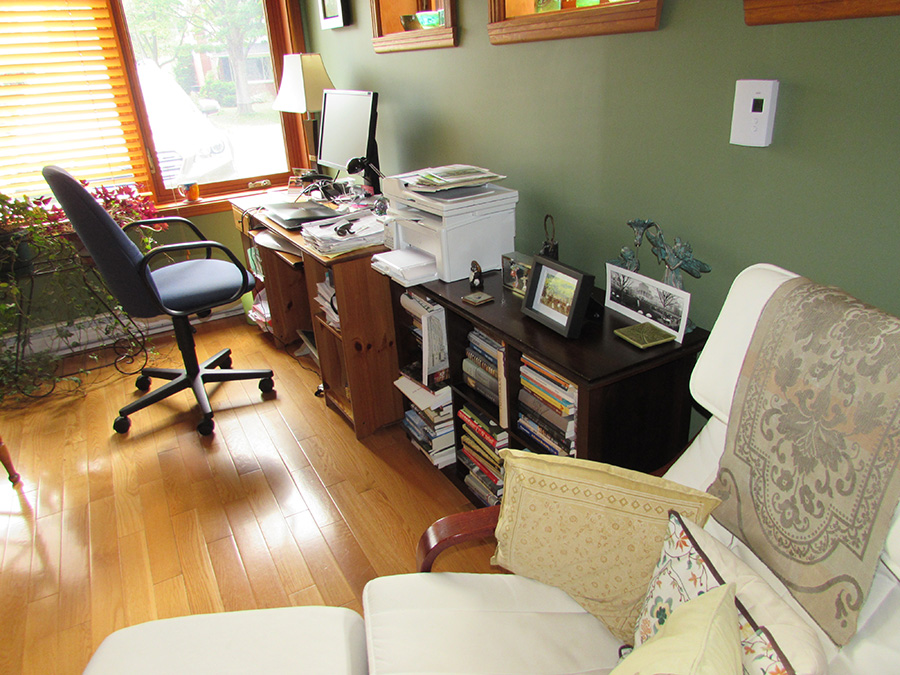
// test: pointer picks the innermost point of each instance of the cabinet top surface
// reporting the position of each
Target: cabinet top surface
(597, 355)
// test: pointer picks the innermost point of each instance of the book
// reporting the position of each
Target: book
(478, 447)
(549, 373)
(487, 344)
(485, 468)
(535, 431)
(490, 432)
(482, 389)
(560, 408)
(539, 410)
(474, 355)
(421, 395)
(478, 373)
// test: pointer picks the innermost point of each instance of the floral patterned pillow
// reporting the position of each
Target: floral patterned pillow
(684, 573)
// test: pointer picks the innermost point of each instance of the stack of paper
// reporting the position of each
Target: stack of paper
(345, 235)
(435, 179)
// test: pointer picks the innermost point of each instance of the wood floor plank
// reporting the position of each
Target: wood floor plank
(137, 579)
(324, 567)
(292, 568)
(261, 570)
(199, 577)
(234, 586)
(45, 557)
(107, 600)
(41, 636)
(75, 568)
(161, 547)
(171, 598)
(74, 649)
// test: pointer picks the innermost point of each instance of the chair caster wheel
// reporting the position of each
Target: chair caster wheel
(143, 383)
(205, 428)
(121, 425)
(266, 385)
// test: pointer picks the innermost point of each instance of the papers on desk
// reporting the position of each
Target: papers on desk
(345, 235)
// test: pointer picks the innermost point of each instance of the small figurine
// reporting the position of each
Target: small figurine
(627, 259)
(476, 282)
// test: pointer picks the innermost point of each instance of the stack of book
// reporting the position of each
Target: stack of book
(327, 301)
(484, 370)
(429, 327)
(480, 442)
(432, 432)
(547, 408)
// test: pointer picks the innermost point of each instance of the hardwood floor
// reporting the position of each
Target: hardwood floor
(281, 506)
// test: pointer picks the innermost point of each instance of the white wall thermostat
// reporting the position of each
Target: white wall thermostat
(754, 112)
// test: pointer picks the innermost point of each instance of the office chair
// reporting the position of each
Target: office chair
(179, 289)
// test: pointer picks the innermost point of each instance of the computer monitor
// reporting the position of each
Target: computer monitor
(347, 131)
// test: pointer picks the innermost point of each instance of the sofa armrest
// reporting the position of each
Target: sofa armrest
(452, 530)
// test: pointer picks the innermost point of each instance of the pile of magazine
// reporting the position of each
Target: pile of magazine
(345, 235)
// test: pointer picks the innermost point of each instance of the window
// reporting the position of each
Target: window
(183, 94)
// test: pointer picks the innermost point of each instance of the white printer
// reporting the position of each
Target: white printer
(455, 226)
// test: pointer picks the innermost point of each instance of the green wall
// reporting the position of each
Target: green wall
(600, 130)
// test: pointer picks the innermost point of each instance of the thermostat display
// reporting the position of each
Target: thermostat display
(754, 112)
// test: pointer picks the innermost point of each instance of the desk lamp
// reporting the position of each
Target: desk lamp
(302, 82)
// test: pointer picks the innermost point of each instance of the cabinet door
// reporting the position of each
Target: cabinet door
(288, 299)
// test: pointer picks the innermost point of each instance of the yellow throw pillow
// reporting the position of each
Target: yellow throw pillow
(700, 638)
(592, 529)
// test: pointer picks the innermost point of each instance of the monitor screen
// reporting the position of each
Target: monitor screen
(347, 128)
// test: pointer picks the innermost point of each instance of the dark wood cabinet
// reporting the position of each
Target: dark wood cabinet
(633, 405)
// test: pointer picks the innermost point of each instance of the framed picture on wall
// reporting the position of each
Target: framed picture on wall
(334, 13)
(557, 296)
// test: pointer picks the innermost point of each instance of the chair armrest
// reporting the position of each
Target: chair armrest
(153, 222)
(452, 530)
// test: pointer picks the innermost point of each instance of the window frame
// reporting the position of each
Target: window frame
(285, 32)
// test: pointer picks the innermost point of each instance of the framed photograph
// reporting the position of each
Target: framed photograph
(334, 13)
(557, 296)
(644, 299)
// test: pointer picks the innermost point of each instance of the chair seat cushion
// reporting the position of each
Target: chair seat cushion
(481, 623)
(191, 284)
(297, 640)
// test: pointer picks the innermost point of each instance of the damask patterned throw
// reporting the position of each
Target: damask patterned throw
(809, 479)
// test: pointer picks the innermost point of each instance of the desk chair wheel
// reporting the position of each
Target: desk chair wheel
(266, 385)
(205, 428)
(143, 383)
(122, 424)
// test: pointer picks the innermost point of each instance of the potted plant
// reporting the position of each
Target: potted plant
(47, 286)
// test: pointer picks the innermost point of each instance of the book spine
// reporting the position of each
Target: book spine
(555, 377)
(540, 442)
(481, 466)
(490, 433)
(479, 358)
(562, 446)
(551, 431)
(483, 450)
(482, 389)
(483, 342)
(556, 406)
(472, 369)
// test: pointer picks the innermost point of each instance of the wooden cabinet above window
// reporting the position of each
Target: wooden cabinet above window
(533, 20)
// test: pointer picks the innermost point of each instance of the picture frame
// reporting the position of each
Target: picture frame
(647, 300)
(557, 296)
(334, 13)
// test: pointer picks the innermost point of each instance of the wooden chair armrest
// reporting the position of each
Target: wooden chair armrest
(452, 530)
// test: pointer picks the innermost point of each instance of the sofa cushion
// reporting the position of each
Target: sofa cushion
(591, 529)
(480, 623)
(687, 569)
(699, 638)
(295, 640)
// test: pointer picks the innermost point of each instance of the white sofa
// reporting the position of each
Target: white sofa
(473, 623)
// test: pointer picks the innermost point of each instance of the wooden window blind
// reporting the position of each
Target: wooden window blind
(65, 97)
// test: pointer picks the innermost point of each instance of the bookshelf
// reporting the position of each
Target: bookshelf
(629, 407)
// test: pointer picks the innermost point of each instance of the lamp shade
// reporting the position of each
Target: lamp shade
(302, 82)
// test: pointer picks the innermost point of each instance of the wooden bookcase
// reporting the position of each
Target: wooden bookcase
(358, 361)
(633, 405)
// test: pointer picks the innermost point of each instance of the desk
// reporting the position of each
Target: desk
(357, 362)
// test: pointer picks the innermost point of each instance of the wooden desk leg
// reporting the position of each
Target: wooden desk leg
(6, 460)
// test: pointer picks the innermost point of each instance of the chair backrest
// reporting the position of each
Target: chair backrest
(713, 383)
(115, 255)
